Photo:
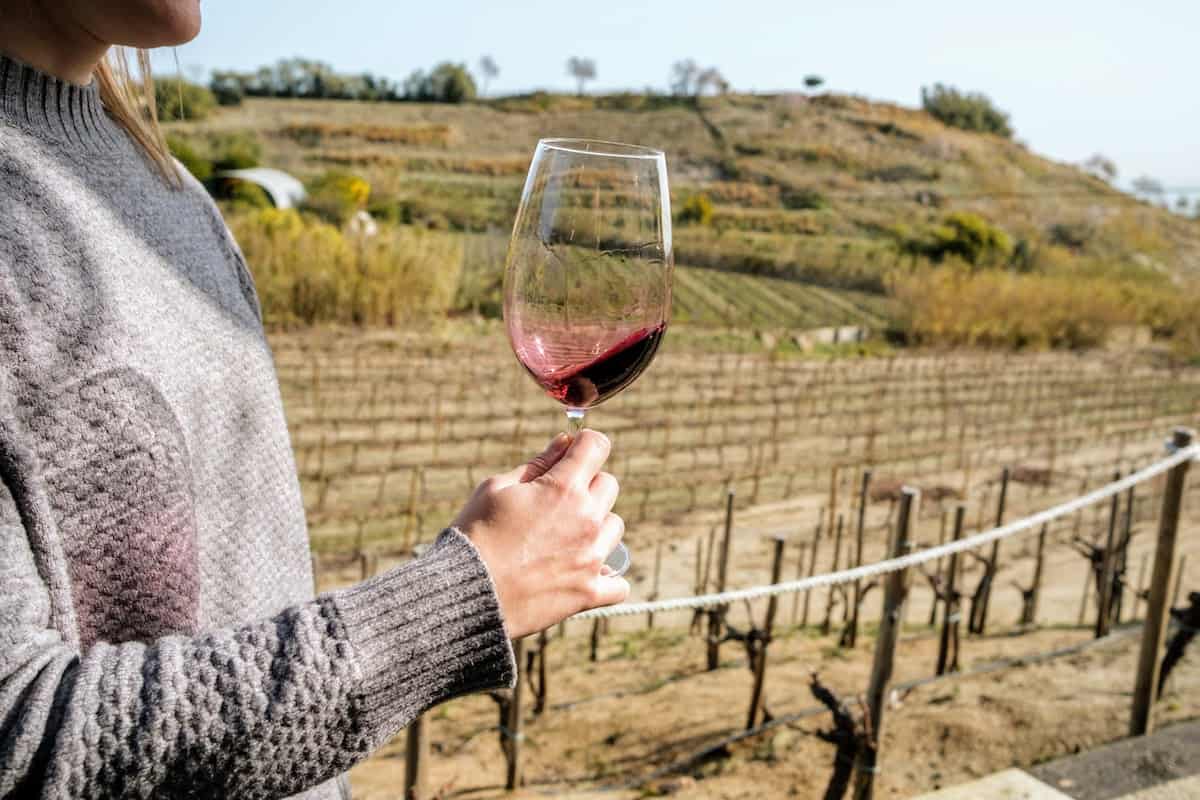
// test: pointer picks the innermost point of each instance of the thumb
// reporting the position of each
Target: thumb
(539, 464)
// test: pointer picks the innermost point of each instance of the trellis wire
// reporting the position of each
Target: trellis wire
(912, 559)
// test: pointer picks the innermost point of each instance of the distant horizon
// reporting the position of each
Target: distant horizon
(1077, 78)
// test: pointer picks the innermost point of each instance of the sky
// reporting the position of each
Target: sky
(1078, 76)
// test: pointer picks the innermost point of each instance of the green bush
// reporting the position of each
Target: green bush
(802, 198)
(243, 194)
(961, 235)
(970, 111)
(182, 149)
(177, 99)
(235, 150)
(697, 209)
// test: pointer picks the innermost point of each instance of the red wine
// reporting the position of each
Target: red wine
(589, 384)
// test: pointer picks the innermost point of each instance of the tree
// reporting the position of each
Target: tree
(711, 78)
(688, 79)
(1102, 167)
(1148, 187)
(813, 82)
(683, 77)
(490, 69)
(447, 83)
(971, 111)
(582, 70)
(1181, 204)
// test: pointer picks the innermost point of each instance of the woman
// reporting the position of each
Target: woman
(158, 631)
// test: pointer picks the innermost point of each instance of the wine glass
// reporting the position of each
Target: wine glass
(587, 281)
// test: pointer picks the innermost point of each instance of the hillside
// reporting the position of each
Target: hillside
(830, 191)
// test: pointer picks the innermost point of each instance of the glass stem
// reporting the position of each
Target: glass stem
(574, 421)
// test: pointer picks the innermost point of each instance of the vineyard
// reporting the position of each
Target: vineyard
(735, 466)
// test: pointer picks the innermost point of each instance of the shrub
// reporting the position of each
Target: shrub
(177, 99)
(243, 194)
(336, 196)
(956, 307)
(970, 111)
(186, 153)
(802, 198)
(961, 235)
(308, 272)
(235, 150)
(697, 209)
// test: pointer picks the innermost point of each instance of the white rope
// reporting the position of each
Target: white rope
(903, 562)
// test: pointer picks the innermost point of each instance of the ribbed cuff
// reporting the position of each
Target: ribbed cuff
(425, 632)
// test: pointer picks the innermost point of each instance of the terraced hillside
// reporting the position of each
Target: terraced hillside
(828, 191)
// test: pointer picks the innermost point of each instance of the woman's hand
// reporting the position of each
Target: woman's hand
(544, 530)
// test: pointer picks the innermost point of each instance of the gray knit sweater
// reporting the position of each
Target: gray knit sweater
(159, 636)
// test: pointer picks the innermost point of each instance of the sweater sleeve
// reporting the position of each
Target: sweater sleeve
(264, 710)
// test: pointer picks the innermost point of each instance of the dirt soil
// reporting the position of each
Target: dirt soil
(648, 704)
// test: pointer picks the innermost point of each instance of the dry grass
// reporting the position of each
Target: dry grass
(313, 134)
(309, 272)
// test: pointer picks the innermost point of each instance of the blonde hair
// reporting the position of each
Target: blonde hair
(131, 104)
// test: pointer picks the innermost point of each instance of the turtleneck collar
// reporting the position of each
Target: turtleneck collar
(53, 108)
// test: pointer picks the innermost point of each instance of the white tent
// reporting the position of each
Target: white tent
(284, 190)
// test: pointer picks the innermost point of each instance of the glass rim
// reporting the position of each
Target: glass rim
(608, 148)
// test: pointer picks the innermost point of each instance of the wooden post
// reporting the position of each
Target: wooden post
(895, 591)
(1141, 583)
(760, 663)
(951, 611)
(1122, 565)
(657, 575)
(801, 549)
(933, 605)
(812, 570)
(833, 566)
(1037, 575)
(1179, 580)
(539, 700)
(594, 643)
(716, 615)
(1155, 628)
(1104, 590)
(410, 520)
(858, 556)
(512, 726)
(416, 761)
(994, 560)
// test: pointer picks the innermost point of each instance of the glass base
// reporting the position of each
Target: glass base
(619, 560)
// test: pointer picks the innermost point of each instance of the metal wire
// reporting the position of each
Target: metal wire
(903, 562)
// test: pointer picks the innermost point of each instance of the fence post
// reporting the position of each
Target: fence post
(858, 555)
(980, 624)
(512, 725)
(716, 616)
(1105, 580)
(833, 567)
(416, 760)
(657, 575)
(951, 610)
(760, 663)
(1154, 630)
(895, 590)
(812, 570)
(1037, 575)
